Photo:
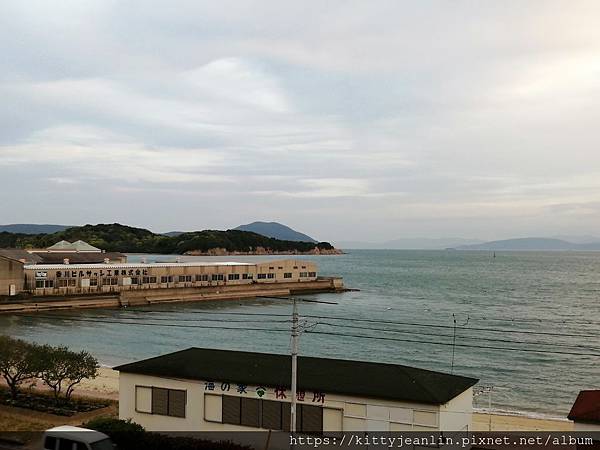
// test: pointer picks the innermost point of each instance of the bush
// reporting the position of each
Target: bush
(125, 433)
(129, 435)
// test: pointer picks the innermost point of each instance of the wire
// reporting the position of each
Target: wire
(155, 324)
(449, 336)
(321, 333)
(209, 312)
(424, 325)
(449, 344)
(427, 325)
(185, 320)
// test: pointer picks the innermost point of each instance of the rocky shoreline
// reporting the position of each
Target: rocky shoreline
(258, 251)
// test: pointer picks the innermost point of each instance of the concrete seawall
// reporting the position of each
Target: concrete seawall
(170, 295)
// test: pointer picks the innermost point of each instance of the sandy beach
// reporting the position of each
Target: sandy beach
(107, 386)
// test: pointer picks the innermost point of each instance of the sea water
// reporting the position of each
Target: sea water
(547, 304)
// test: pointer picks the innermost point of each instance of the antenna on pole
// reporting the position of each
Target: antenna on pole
(486, 389)
(454, 339)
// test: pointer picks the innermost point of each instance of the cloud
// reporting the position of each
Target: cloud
(445, 118)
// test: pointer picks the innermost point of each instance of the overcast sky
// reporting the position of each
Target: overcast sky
(345, 120)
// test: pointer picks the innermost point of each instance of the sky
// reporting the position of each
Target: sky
(347, 120)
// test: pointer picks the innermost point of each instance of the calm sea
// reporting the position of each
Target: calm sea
(547, 302)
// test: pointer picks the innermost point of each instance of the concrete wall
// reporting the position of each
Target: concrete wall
(341, 412)
(458, 412)
(12, 278)
(583, 426)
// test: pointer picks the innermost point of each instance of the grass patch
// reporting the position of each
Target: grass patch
(11, 422)
(42, 402)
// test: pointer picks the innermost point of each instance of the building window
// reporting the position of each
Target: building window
(62, 283)
(233, 276)
(110, 281)
(93, 281)
(241, 411)
(148, 280)
(270, 275)
(261, 276)
(135, 280)
(270, 414)
(312, 274)
(246, 276)
(166, 279)
(218, 277)
(280, 267)
(303, 274)
(72, 282)
(42, 284)
(287, 275)
(201, 277)
(168, 402)
(185, 278)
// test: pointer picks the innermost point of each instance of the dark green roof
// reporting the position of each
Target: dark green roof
(339, 376)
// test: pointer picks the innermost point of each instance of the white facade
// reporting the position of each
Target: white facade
(203, 410)
(586, 426)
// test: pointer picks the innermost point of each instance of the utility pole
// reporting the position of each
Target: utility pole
(295, 335)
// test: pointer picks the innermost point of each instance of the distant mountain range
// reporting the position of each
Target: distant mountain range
(531, 244)
(409, 244)
(31, 228)
(276, 231)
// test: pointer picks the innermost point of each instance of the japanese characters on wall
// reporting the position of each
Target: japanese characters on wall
(279, 392)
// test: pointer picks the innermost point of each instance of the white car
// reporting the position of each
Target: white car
(75, 438)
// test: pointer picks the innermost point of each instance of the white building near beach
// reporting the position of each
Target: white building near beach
(221, 390)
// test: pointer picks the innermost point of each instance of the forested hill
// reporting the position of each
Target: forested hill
(121, 238)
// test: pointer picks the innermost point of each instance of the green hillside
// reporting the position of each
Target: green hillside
(122, 238)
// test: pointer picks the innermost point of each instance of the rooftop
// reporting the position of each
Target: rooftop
(20, 255)
(361, 378)
(587, 407)
(77, 258)
(77, 246)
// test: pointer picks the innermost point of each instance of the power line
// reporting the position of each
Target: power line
(427, 325)
(191, 320)
(228, 313)
(321, 333)
(173, 325)
(120, 320)
(389, 322)
(422, 333)
(458, 345)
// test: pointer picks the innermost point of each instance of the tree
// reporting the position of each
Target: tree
(83, 366)
(64, 369)
(19, 362)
